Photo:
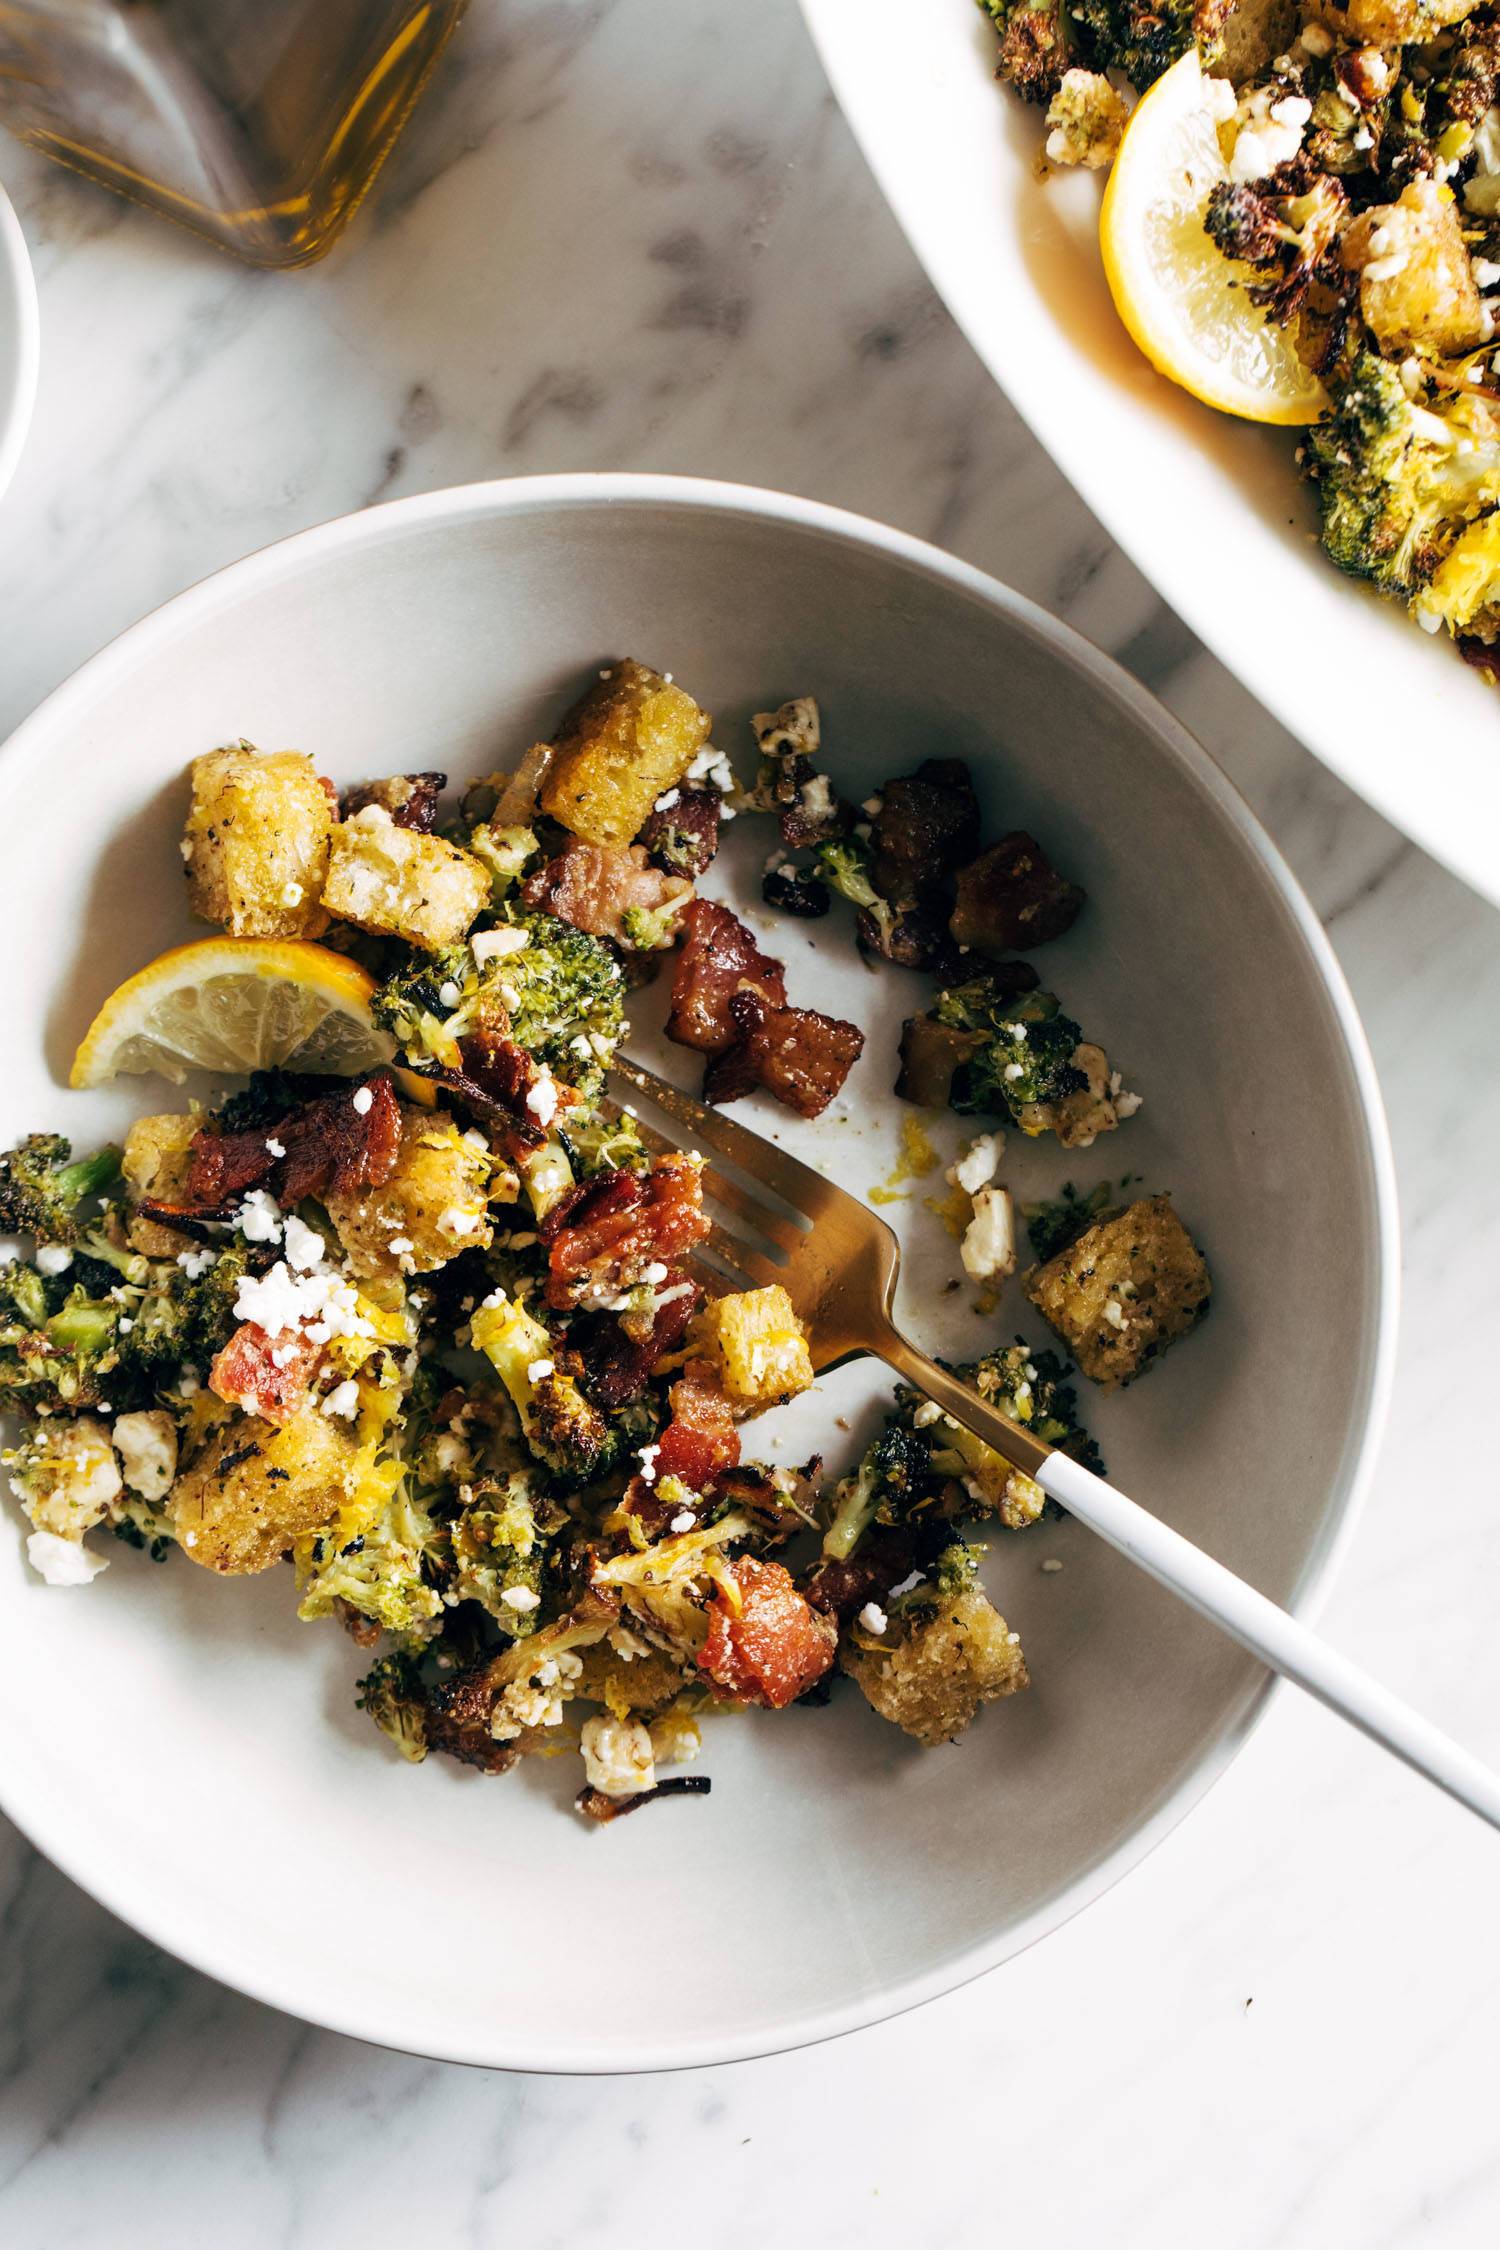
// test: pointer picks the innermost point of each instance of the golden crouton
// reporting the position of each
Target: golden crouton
(1252, 33)
(397, 882)
(933, 1667)
(155, 1164)
(256, 842)
(647, 1682)
(1416, 287)
(632, 737)
(432, 1206)
(253, 1488)
(759, 1346)
(1126, 1289)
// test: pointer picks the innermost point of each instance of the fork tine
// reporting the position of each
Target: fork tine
(757, 1271)
(783, 1232)
(797, 1183)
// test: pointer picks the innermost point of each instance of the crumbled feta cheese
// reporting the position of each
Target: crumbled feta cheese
(63, 1562)
(188, 1385)
(259, 1217)
(364, 1100)
(304, 1245)
(711, 765)
(322, 1303)
(1114, 1312)
(988, 1249)
(343, 1400)
(648, 1463)
(494, 945)
(978, 1164)
(400, 1245)
(873, 1618)
(1014, 1071)
(684, 1520)
(456, 1220)
(541, 1098)
(1219, 99)
(676, 1738)
(291, 894)
(617, 1756)
(816, 797)
(195, 1263)
(1270, 134)
(475, 1140)
(276, 1148)
(147, 1446)
(655, 1272)
(53, 1258)
(538, 1370)
(449, 993)
(667, 799)
(521, 1597)
(912, 1578)
(927, 1413)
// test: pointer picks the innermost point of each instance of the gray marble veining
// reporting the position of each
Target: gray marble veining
(636, 234)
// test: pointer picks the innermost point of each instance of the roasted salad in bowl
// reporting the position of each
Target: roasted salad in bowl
(418, 1309)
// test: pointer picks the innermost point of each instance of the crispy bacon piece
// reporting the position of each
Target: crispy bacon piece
(796, 1054)
(700, 1441)
(329, 1147)
(841, 1589)
(605, 1234)
(593, 886)
(266, 1375)
(774, 1646)
(617, 1366)
(927, 826)
(719, 958)
(1012, 897)
(495, 1068)
(681, 839)
(411, 799)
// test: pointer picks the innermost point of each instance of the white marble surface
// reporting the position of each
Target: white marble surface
(635, 234)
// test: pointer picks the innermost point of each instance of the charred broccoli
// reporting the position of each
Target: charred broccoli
(1027, 1052)
(562, 1428)
(43, 1190)
(882, 1489)
(1289, 232)
(1026, 1387)
(395, 1698)
(843, 863)
(385, 1570)
(1053, 1225)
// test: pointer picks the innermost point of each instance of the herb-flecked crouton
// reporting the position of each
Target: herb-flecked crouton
(1126, 1289)
(1416, 286)
(253, 1488)
(397, 882)
(433, 1205)
(256, 842)
(942, 1655)
(156, 1161)
(632, 738)
(758, 1345)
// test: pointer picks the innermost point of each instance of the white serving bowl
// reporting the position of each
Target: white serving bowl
(20, 340)
(1211, 509)
(188, 1752)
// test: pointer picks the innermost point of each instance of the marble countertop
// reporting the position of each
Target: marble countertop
(634, 234)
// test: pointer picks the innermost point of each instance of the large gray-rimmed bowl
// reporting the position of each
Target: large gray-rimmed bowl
(188, 1752)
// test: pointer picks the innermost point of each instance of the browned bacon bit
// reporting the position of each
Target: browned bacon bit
(459, 1711)
(623, 1223)
(594, 1805)
(1012, 897)
(841, 1589)
(799, 1056)
(797, 891)
(700, 1442)
(927, 826)
(618, 1366)
(1483, 655)
(411, 799)
(502, 1074)
(266, 1375)
(682, 838)
(773, 1646)
(719, 958)
(334, 1143)
(595, 886)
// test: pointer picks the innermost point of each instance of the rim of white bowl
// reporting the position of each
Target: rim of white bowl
(18, 289)
(522, 495)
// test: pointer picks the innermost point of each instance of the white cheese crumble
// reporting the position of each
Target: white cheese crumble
(873, 1618)
(323, 1304)
(343, 1400)
(1270, 134)
(711, 765)
(684, 1520)
(667, 799)
(304, 1245)
(364, 1100)
(655, 1272)
(147, 1446)
(494, 945)
(63, 1562)
(648, 1463)
(449, 993)
(195, 1263)
(276, 1148)
(538, 1370)
(400, 1245)
(617, 1756)
(259, 1217)
(1114, 1312)
(978, 1164)
(988, 1249)
(541, 1098)
(53, 1258)
(1486, 272)
(291, 894)
(927, 1413)
(521, 1597)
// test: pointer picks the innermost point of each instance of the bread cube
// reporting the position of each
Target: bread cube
(646, 1681)
(759, 1346)
(155, 1164)
(935, 1666)
(396, 882)
(632, 737)
(1126, 1289)
(256, 842)
(1416, 286)
(433, 1205)
(252, 1489)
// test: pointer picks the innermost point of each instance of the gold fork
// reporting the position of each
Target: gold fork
(838, 1262)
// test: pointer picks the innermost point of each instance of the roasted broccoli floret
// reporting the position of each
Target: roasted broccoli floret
(1026, 1387)
(386, 1569)
(1398, 483)
(1141, 41)
(1289, 232)
(843, 862)
(56, 1345)
(882, 1489)
(1028, 1049)
(43, 1189)
(395, 1698)
(506, 852)
(562, 1428)
(1053, 1225)
(651, 929)
(499, 1555)
(598, 1142)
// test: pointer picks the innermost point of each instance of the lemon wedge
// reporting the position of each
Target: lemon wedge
(233, 1005)
(1175, 292)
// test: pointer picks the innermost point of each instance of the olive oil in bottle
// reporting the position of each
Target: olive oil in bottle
(259, 123)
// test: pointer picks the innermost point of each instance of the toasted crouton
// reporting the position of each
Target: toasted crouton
(759, 1346)
(1416, 287)
(1126, 1289)
(256, 842)
(155, 1164)
(251, 1489)
(631, 738)
(433, 1205)
(397, 882)
(933, 1668)
(645, 1682)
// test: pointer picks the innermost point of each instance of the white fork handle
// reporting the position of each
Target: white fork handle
(1271, 1634)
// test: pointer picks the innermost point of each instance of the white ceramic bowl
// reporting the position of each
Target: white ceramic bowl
(20, 340)
(1211, 509)
(187, 1751)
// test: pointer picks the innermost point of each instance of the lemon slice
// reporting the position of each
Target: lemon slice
(1173, 289)
(233, 1005)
